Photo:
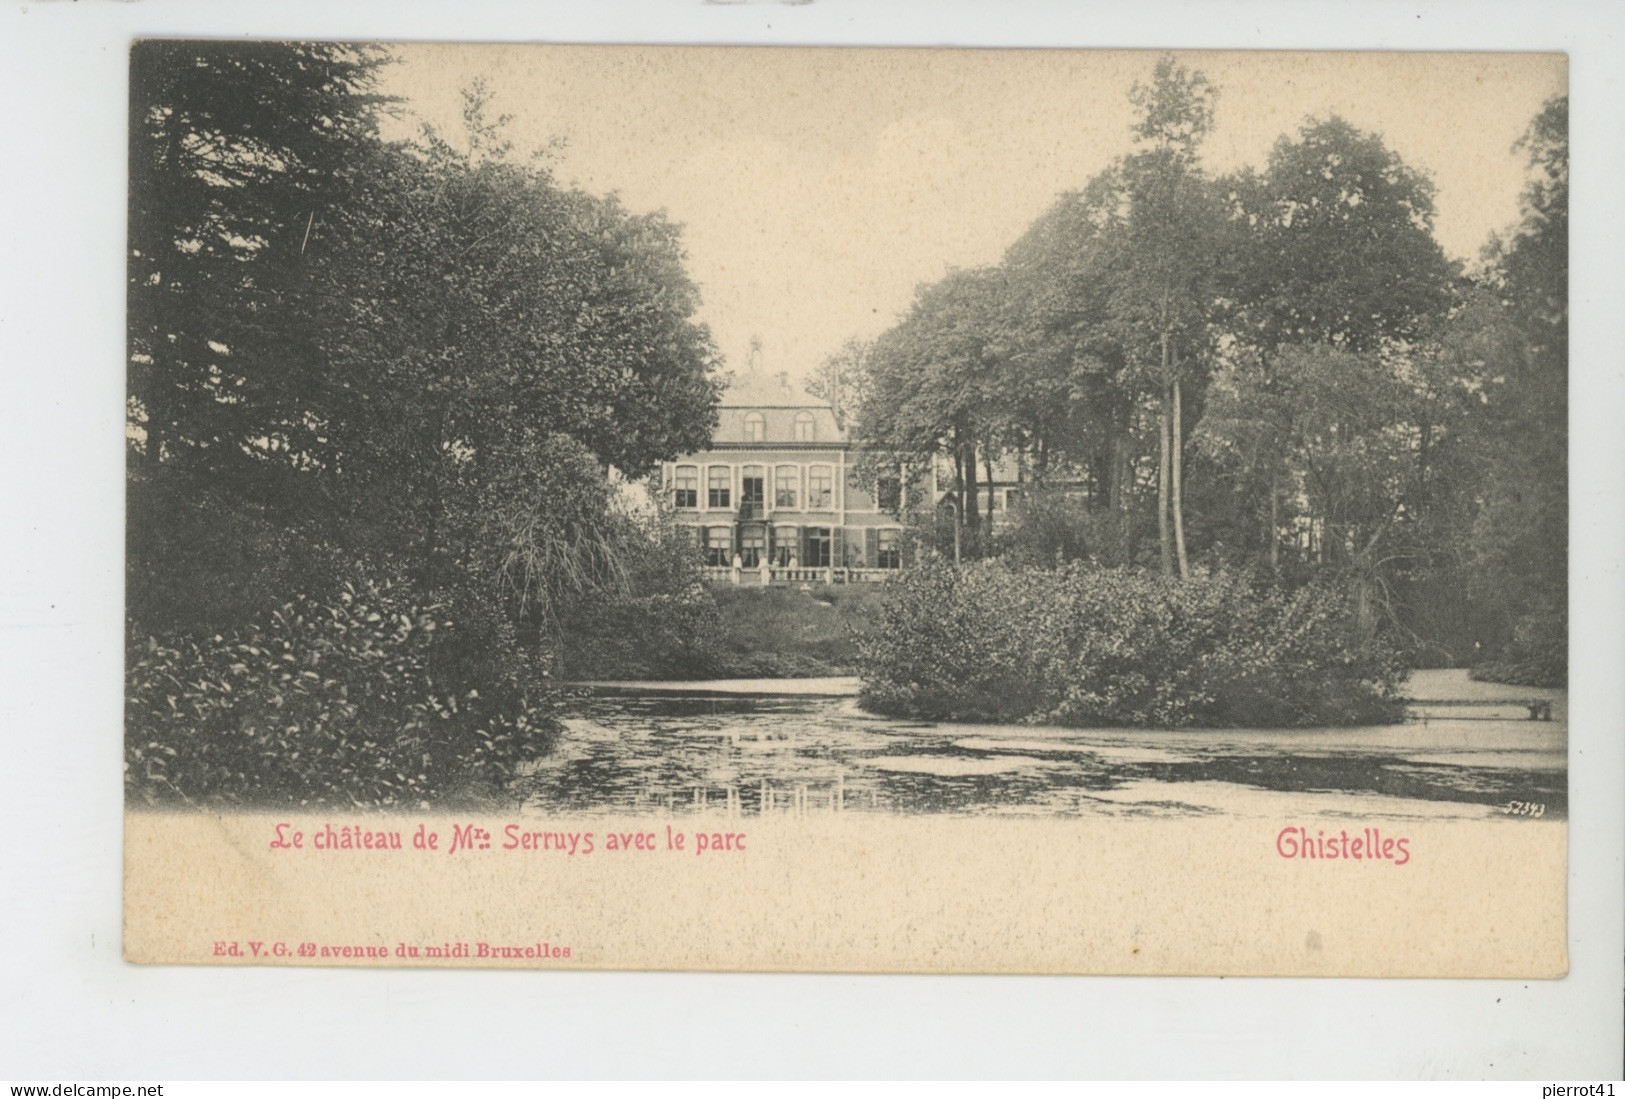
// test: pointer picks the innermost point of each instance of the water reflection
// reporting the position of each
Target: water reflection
(749, 755)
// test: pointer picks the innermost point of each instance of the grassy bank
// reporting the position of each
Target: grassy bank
(789, 632)
(723, 632)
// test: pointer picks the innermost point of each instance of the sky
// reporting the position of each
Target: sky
(817, 188)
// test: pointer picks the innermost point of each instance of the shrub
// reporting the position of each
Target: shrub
(723, 632)
(1084, 646)
(647, 635)
(1537, 655)
(1050, 528)
(198, 558)
(325, 704)
(788, 631)
(656, 620)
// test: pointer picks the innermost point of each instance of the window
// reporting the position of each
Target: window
(755, 427)
(751, 542)
(752, 486)
(718, 483)
(889, 494)
(1012, 498)
(786, 546)
(786, 484)
(719, 546)
(817, 556)
(804, 427)
(891, 553)
(686, 486)
(820, 488)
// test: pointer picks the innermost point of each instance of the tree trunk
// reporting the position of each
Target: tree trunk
(1164, 536)
(1274, 532)
(1178, 482)
(1365, 611)
(1114, 473)
(1122, 496)
(970, 516)
(959, 483)
(1422, 458)
(987, 467)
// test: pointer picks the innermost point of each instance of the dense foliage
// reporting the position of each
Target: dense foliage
(725, 633)
(1518, 546)
(322, 704)
(363, 366)
(1276, 372)
(1086, 646)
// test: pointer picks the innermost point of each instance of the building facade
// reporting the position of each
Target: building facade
(774, 499)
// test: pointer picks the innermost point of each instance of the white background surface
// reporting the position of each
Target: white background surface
(71, 1009)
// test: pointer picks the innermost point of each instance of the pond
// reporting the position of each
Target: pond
(1470, 751)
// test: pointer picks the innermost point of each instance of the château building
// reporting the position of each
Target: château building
(775, 497)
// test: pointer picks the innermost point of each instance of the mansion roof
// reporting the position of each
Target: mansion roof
(766, 410)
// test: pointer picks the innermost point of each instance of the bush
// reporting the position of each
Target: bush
(325, 705)
(1050, 528)
(199, 558)
(1082, 646)
(723, 632)
(647, 635)
(655, 620)
(1537, 655)
(787, 631)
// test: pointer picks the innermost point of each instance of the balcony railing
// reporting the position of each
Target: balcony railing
(778, 574)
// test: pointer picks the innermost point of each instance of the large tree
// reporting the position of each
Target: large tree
(1098, 319)
(931, 386)
(478, 325)
(840, 379)
(1353, 440)
(236, 151)
(1076, 397)
(1338, 253)
(1342, 248)
(1167, 236)
(1520, 534)
(427, 354)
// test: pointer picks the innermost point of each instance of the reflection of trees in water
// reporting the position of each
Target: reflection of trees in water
(742, 756)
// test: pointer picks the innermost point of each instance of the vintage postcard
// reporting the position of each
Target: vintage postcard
(887, 510)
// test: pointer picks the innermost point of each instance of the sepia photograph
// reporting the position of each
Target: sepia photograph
(889, 510)
(809, 540)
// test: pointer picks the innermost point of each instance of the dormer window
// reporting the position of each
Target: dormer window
(755, 427)
(804, 427)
